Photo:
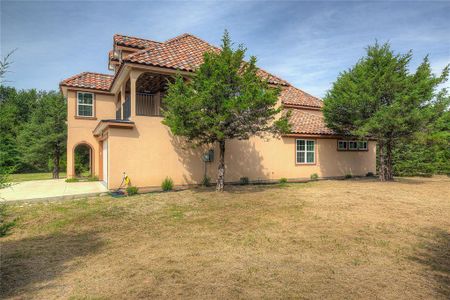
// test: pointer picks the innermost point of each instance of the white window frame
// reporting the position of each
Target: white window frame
(346, 145)
(363, 148)
(306, 151)
(352, 149)
(93, 105)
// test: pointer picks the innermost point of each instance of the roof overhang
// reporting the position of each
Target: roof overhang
(324, 136)
(103, 125)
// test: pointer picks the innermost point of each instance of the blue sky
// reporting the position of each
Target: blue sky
(305, 43)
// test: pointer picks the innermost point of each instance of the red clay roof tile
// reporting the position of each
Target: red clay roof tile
(89, 80)
(133, 42)
(294, 96)
(308, 123)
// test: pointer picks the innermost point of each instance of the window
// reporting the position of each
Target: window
(85, 104)
(342, 145)
(362, 145)
(305, 151)
(352, 145)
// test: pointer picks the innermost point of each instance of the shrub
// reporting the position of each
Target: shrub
(92, 178)
(206, 181)
(244, 181)
(283, 180)
(5, 225)
(132, 190)
(369, 174)
(167, 184)
(72, 179)
(348, 176)
(314, 176)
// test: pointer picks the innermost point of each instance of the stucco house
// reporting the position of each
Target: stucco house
(118, 117)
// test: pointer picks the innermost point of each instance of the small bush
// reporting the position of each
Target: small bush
(5, 225)
(283, 180)
(244, 181)
(167, 184)
(132, 190)
(206, 181)
(72, 179)
(369, 174)
(314, 176)
(348, 176)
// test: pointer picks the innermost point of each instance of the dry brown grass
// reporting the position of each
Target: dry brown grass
(327, 239)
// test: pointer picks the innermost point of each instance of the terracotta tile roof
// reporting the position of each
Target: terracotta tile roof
(133, 42)
(308, 123)
(185, 53)
(89, 80)
(295, 96)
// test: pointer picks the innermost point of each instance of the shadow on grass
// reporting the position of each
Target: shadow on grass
(30, 264)
(434, 253)
(244, 189)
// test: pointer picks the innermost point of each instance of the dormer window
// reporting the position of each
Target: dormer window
(85, 104)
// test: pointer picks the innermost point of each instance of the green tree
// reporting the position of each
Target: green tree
(380, 98)
(225, 99)
(429, 151)
(44, 136)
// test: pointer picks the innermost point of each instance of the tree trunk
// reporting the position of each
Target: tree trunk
(221, 168)
(56, 158)
(389, 169)
(385, 152)
(382, 166)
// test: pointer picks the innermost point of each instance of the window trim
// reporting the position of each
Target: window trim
(306, 151)
(77, 104)
(358, 148)
(346, 145)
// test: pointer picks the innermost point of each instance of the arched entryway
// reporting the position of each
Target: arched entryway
(83, 155)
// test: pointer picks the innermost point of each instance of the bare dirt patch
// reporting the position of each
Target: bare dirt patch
(327, 239)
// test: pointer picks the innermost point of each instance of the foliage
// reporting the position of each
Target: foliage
(380, 98)
(74, 179)
(429, 152)
(5, 64)
(92, 178)
(5, 223)
(44, 136)
(206, 181)
(225, 99)
(244, 181)
(132, 190)
(167, 184)
(370, 174)
(5, 177)
(314, 176)
(348, 176)
(283, 180)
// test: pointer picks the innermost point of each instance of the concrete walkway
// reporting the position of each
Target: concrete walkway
(47, 190)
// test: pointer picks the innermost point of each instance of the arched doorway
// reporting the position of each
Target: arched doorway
(83, 160)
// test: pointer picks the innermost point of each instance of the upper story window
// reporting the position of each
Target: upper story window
(85, 104)
(305, 152)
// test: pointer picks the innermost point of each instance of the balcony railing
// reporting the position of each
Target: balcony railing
(148, 104)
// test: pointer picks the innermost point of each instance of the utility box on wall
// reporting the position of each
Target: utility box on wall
(208, 156)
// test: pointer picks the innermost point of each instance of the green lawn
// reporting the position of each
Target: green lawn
(34, 176)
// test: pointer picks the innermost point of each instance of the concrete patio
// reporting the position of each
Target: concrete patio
(48, 190)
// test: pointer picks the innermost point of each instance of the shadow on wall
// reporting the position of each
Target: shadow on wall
(30, 263)
(434, 253)
(334, 163)
(241, 160)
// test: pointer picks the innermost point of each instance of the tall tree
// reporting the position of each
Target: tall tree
(380, 98)
(44, 136)
(225, 99)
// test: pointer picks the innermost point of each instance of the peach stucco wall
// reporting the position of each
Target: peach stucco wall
(79, 130)
(148, 153)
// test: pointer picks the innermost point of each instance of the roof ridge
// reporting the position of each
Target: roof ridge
(135, 37)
